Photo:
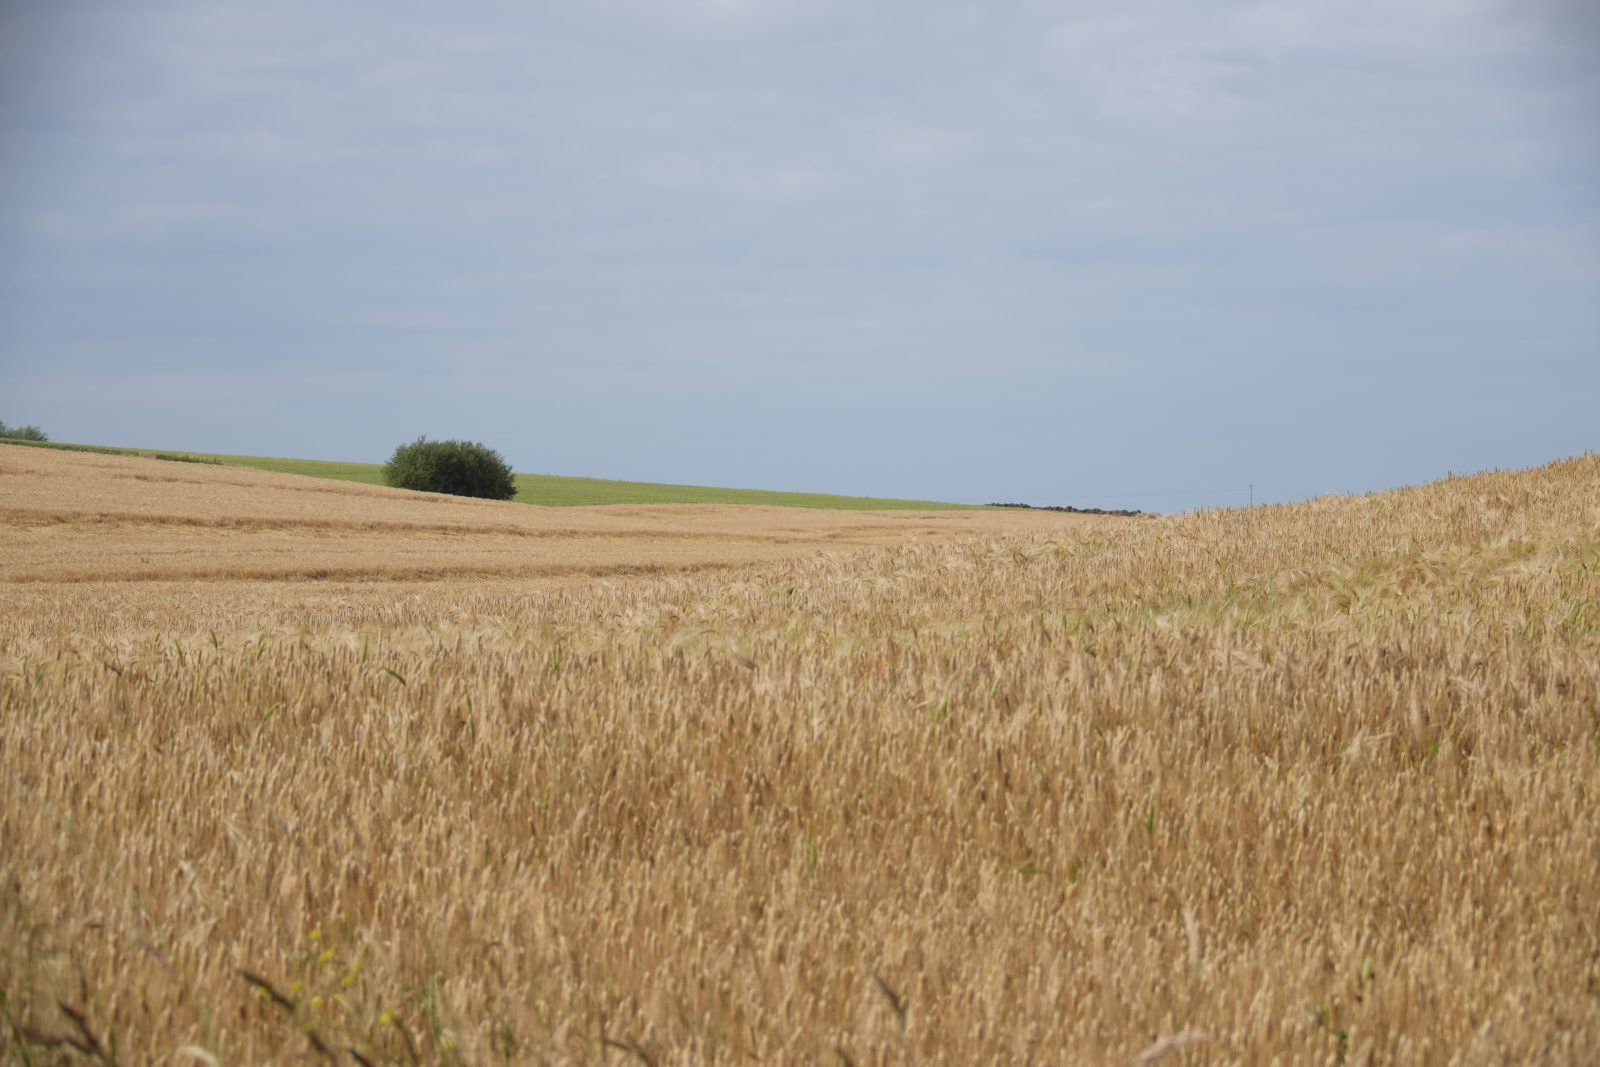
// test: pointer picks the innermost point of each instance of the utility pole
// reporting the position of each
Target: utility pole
(1252, 494)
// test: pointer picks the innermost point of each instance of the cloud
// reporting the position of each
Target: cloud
(787, 184)
(710, 21)
(1133, 67)
(1162, 60)
(923, 146)
(743, 179)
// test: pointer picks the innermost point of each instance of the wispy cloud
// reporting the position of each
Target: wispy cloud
(785, 183)
(921, 146)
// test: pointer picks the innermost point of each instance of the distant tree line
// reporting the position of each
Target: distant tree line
(23, 433)
(1071, 510)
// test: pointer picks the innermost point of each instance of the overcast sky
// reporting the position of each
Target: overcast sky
(1128, 253)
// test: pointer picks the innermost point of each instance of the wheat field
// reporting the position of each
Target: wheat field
(294, 772)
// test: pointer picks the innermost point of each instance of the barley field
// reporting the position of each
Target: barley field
(303, 772)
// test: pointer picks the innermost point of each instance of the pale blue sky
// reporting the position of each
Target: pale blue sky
(1127, 254)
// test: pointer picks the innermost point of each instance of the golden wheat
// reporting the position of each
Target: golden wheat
(1304, 784)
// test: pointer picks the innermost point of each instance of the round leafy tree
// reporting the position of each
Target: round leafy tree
(461, 468)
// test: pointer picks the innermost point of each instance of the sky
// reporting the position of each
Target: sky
(1146, 254)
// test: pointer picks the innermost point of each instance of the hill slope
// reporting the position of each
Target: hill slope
(548, 489)
(88, 516)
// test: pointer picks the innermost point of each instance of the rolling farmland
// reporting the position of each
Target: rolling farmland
(311, 771)
(554, 490)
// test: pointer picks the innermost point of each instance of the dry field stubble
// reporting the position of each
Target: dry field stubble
(1308, 784)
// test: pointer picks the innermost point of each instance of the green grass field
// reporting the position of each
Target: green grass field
(549, 489)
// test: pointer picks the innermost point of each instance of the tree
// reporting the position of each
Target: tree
(23, 433)
(460, 468)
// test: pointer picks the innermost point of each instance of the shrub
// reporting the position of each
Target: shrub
(23, 433)
(461, 468)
